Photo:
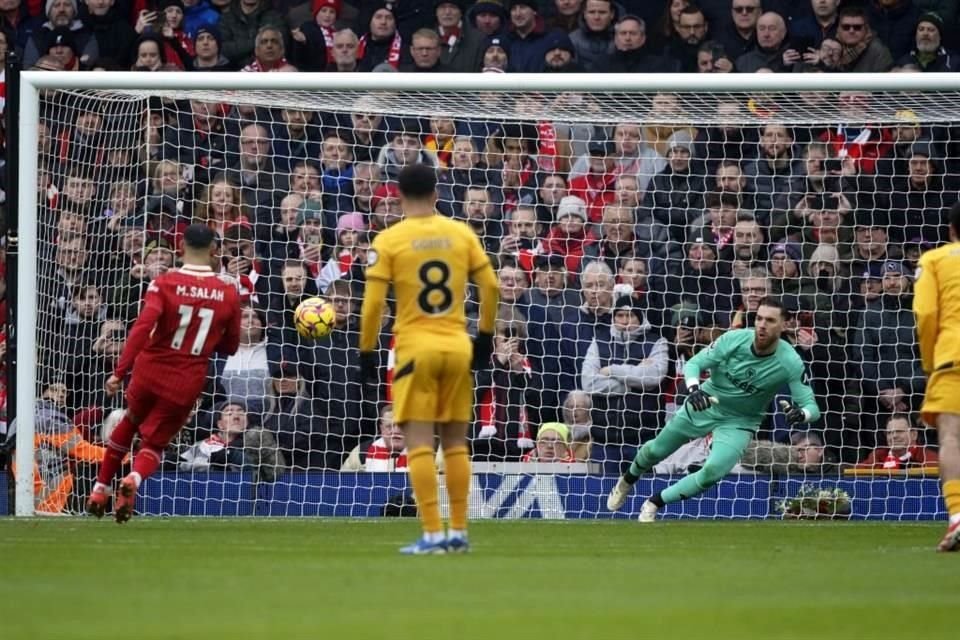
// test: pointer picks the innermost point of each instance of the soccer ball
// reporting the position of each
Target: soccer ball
(314, 318)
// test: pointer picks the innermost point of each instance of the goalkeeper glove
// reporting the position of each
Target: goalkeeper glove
(482, 350)
(368, 367)
(697, 399)
(794, 412)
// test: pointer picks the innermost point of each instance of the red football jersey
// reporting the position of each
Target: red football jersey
(187, 315)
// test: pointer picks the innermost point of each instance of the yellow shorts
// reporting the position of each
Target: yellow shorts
(433, 386)
(942, 395)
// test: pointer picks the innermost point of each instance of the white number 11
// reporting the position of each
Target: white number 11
(186, 316)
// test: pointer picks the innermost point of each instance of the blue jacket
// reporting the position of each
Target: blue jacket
(198, 15)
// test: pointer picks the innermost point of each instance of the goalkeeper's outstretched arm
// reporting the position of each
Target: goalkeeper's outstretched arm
(803, 396)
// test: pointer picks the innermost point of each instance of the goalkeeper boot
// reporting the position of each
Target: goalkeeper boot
(425, 547)
(951, 541)
(648, 512)
(458, 543)
(126, 497)
(97, 501)
(619, 494)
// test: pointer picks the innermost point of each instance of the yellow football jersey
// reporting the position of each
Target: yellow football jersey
(429, 260)
(936, 303)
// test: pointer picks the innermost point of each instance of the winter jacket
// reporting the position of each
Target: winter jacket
(638, 61)
(944, 61)
(886, 346)
(114, 35)
(239, 31)
(896, 26)
(198, 15)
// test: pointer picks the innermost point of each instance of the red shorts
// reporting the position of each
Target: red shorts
(158, 419)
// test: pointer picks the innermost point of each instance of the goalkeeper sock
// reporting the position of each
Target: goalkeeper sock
(951, 496)
(423, 477)
(638, 467)
(146, 461)
(118, 445)
(457, 469)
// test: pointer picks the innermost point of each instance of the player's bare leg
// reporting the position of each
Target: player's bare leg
(456, 463)
(948, 429)
(423, 477)
(118, 446)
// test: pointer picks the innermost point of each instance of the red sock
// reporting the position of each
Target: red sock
(118, 445)
(146, 461)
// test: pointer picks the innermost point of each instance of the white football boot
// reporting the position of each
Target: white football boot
(619, 494)
(648, 512)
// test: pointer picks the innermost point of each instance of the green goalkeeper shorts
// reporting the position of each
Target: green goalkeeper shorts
(696, 424)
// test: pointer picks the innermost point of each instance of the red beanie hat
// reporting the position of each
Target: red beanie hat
(336, 5)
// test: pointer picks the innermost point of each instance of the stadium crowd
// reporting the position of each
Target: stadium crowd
(622, 249)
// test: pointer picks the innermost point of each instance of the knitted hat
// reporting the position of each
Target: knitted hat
(626, 303)
(283, 369)
(336, 5)
(790, 249)
(932, 17)
(62, 37)
(351, 221)
(546, 261)
(384, 191)
(893, 266)
(311, 210)
(558, 40)
(213, 30)
(601, 147)
(874, 271)
(533, 4)
(461, 4)
(496, 41)
(872, 218)
(49, 6)
(389, 5)
(572, 206)
(163, 4)
(490, 6)
(558, 428)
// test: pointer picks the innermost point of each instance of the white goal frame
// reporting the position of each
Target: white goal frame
(33, 82)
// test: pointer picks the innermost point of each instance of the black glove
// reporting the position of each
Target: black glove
(368, 367)
(697, 399)
(482, 351)
(794, 412)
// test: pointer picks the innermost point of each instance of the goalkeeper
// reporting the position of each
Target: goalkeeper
(747, 368)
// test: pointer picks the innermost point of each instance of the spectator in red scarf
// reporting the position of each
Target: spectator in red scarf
(461, 45)
(314, 47)
(596, 187)
(569, 237)
(902, 450)
(502, 426)
(269, 52)
(388, 452)
(382, 43)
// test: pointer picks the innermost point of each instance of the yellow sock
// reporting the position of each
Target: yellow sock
(457, 468)
(423, 477)
(951, 495)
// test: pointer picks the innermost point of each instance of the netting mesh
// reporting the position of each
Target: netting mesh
(686, 208)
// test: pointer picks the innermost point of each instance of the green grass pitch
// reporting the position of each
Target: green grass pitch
(303, 578)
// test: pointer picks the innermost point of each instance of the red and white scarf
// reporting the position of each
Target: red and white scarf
(547, 138)
(256, 67)
(381, 458)
(512, 199)
(393, 56)
(451, 37)
(488, 411)
(328, 40)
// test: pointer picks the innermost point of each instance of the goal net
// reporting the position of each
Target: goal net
(630, 226)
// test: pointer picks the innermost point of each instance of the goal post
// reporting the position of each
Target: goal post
(801, 102)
